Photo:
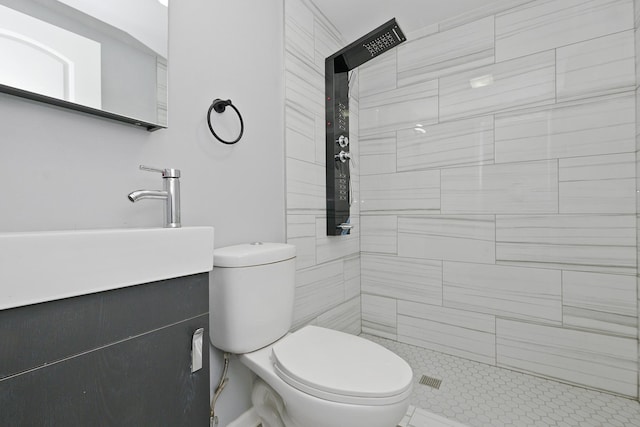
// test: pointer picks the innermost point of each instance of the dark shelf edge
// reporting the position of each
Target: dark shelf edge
(81, 108)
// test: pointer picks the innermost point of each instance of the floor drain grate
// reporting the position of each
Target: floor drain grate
(430, 381)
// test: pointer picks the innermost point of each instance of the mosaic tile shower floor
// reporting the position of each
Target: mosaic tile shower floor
(479, 395)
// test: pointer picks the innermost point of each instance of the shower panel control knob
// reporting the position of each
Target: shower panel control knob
(343, 156)
(343, 141)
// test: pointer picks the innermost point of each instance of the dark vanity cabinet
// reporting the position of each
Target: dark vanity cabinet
(115, 358)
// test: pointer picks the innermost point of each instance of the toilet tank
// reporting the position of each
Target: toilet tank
(251, 295)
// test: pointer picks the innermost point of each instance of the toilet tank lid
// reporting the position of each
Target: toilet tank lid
(253, 254)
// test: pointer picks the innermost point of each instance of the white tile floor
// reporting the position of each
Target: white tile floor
(479, 395)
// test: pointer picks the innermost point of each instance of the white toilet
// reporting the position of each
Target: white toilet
(314, 377)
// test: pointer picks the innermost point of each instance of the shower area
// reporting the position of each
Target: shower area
(494, 203)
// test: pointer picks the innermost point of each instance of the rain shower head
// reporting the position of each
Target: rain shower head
(378, 41)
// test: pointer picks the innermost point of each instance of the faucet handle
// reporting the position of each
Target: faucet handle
(166, 173)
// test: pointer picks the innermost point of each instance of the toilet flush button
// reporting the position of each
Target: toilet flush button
(257, 244)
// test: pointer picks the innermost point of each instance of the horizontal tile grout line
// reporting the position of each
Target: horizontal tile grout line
(64, 359)
(584, 40)
(479, 15)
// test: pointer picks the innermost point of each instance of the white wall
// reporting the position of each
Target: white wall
(65, 170)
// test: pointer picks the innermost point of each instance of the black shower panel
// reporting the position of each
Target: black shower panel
(338, 152)
(337, 145)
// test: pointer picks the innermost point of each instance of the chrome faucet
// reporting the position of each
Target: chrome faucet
(170, 194)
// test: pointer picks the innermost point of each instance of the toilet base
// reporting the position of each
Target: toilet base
(267, 404)
(274, 412)
(279, 405)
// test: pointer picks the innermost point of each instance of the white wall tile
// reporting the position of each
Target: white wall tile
(298, 34)
(573, 186)
(423, 31)
(402, 278)
(304, 85)
(300, 135)
(598, 184)
(447, 52)
(506, 188)
(613, 166)
(355, 193)
(596, 67)
(379, 316)
(327, 293)
(400, 108)
(376, 164)
(457, 143)
(548, 24)
(320, 140)
(604, 303)
(499, 87)
(591, 127)
(521, 293)
(378, 143)
(352, 277)
(406, 192)
(637, 105)
(483, 9)
(379, 75)
(598, 243)
(449, 316)
(378, 154)
(594, 360)
(460, 333)
(345, 317)
(301, 232)
(453, 238)
(379, 234)
(334, 247)
(636, 7)
(318, 289)
(305, 187)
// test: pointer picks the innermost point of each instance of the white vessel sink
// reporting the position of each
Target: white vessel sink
(44, 266)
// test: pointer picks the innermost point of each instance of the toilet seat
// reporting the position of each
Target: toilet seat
(342, 368)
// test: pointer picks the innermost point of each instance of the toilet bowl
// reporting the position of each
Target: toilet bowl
(327, 378)
(313, 377)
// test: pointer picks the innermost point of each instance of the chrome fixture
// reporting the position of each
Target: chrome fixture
(343, 141)
(196, 350)
(343, 156)
(170, 194)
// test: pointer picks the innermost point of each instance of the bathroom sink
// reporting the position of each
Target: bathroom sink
(37, 267)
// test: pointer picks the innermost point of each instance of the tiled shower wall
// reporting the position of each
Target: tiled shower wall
(498, 191)
(636, 5)
(328, 268)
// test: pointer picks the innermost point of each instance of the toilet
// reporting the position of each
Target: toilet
(313, 377)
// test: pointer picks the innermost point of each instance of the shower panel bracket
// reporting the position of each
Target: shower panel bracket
(338, 151)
